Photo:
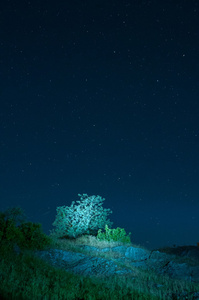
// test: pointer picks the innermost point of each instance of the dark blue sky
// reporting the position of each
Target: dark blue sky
(102, 97)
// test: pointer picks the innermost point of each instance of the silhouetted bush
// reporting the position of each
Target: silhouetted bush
(27, 235)
(32, 237)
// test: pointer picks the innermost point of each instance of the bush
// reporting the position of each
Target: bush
(85, 218)
(27, 235)
(114, 235)
(32, 237)
(8, 230)
(16, 214)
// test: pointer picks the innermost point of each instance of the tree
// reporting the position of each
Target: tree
(16, 214)
(85, 217)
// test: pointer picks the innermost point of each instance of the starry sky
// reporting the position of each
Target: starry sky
(102, 97)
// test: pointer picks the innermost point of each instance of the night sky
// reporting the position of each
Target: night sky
(102, 97)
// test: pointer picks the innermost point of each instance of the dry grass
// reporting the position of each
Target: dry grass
(77, 244)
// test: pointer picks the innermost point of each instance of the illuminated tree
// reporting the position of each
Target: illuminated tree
(85, 217)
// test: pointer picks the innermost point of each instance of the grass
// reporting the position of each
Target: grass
(24, 276)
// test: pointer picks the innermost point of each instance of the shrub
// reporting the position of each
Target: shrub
(8, 230)
(16, 214)
(32, 237)
(85, 218)
(26, 235)
(114, 235)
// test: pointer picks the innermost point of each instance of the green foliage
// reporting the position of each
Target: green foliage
(32, 237)
(27, 235)
(16, 214)
(8, 230)
(114, 235)
(9, 219)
